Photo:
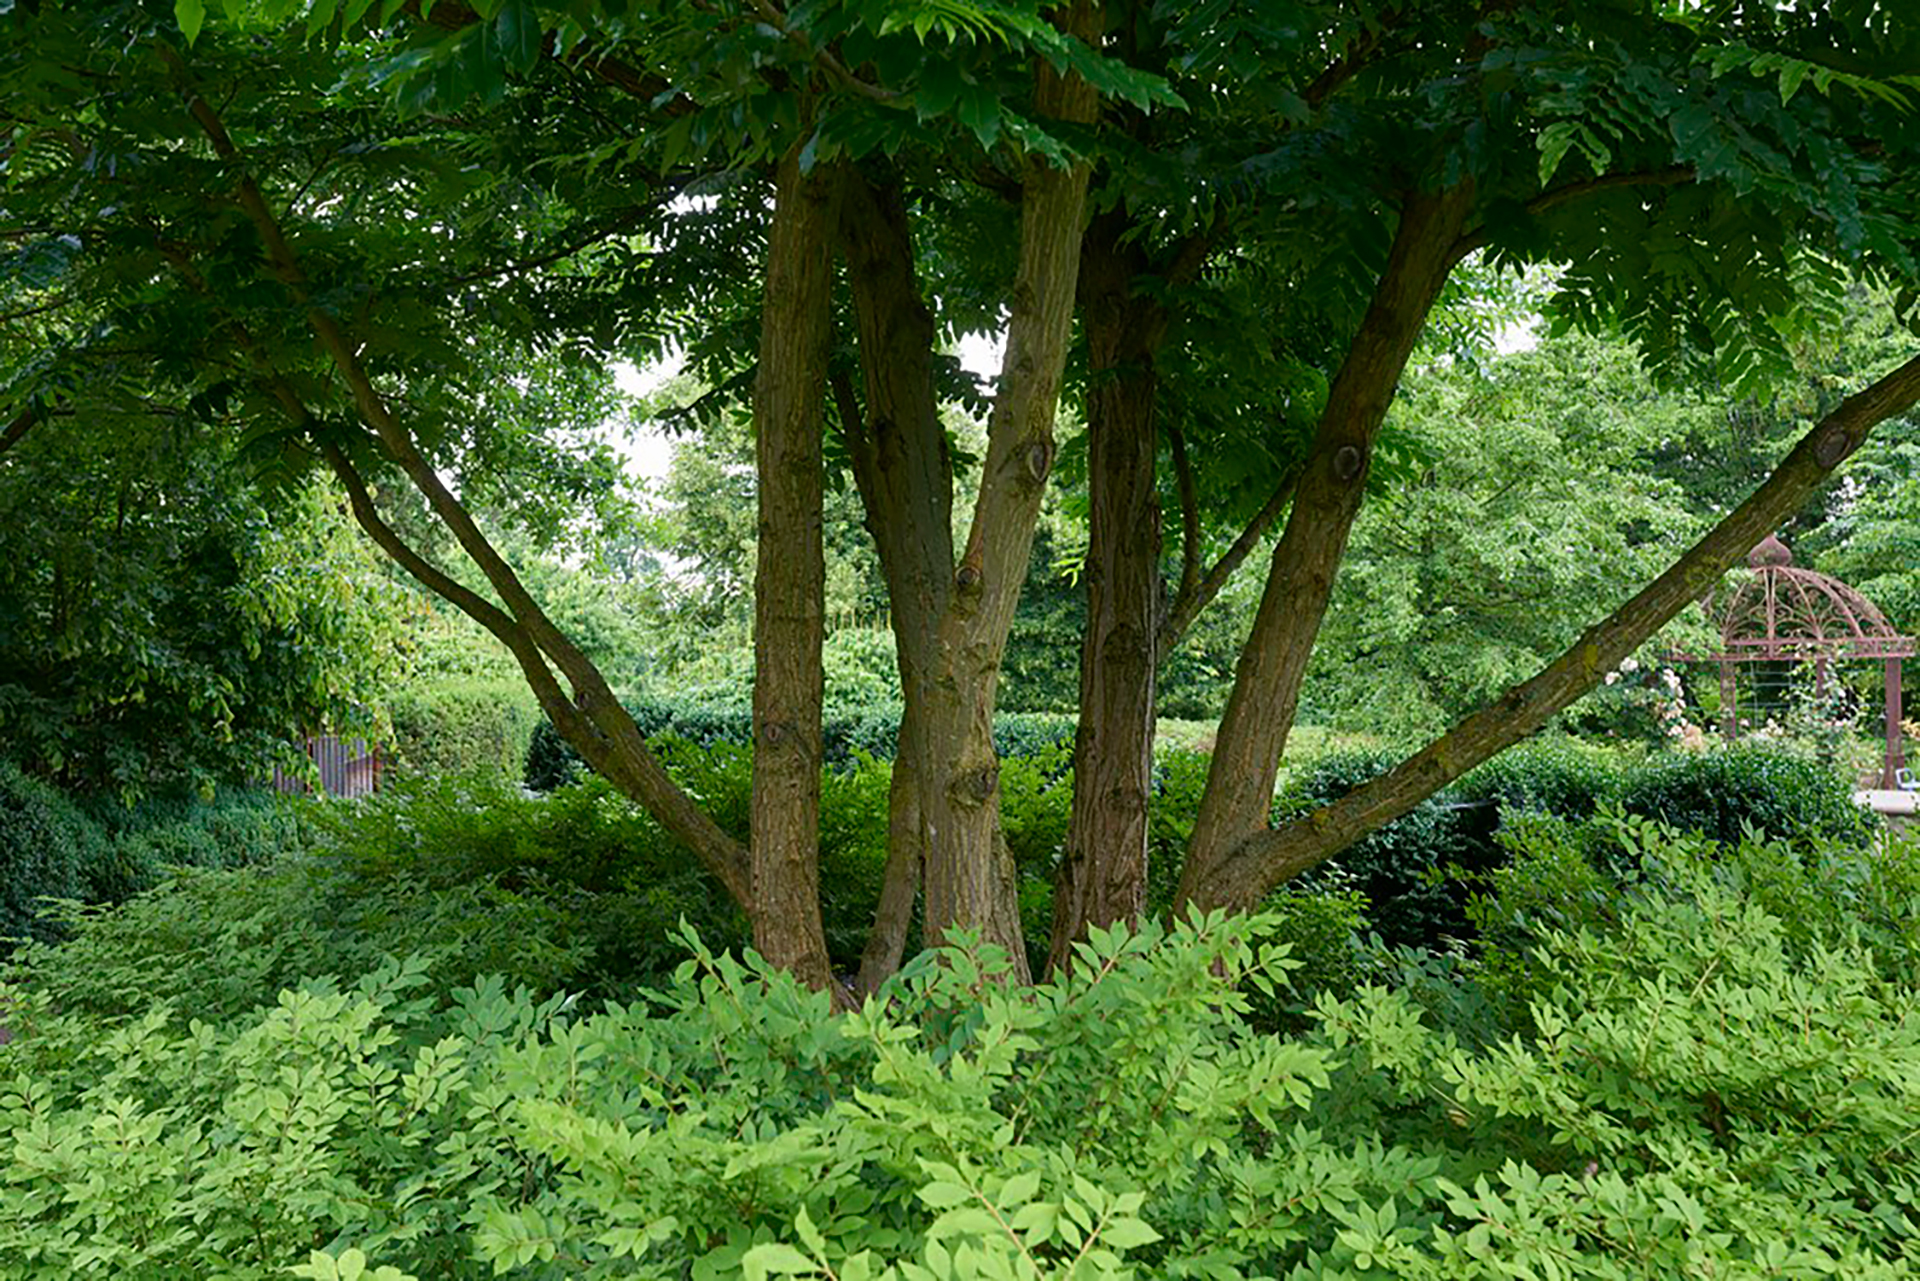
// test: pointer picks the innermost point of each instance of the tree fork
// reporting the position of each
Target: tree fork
(1271, 856)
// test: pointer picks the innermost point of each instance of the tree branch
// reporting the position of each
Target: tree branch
(1188, 606)
(20, 426)
(628, 762)
(1275, 855)
(772, 15)
(454, 15)
(599, 234)
(1671, 176)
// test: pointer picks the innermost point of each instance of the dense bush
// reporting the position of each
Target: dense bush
(846, 733)
(1410, 871)
(1715, 1084)
(464, 726)
(53, 847)
(1418, 872)
(1551, 775)
(1718, 792)
(48, 848)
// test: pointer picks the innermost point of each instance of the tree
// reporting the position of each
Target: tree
(1536, 497)
(1304, 188)
(160, 628)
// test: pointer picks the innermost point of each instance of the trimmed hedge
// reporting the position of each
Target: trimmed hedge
(1420, 872)
(461, 728)
(1717, 793)
(846, 735)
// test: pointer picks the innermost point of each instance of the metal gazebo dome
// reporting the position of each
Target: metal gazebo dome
(1786, 613)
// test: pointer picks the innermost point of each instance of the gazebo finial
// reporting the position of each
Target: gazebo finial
(1769, 551)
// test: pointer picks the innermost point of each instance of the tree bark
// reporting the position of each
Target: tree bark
(1268, 857)
(905, 478)
(1102, 875)
(1266, 687)
(789, 605)
(970, 881)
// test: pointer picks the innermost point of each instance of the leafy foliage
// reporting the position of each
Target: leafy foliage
(161, 628)
(849, 734)
(1717, 1077)
(53, 848)
(462, 727)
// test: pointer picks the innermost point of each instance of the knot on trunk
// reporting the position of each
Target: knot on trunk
(1833, 447)
(975, 787)
(1347, 461)
(1039, 457)
(967, 578)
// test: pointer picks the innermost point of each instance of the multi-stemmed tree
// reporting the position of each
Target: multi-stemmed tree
(307, 219)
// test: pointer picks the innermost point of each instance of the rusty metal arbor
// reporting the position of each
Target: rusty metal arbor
(1785, 613)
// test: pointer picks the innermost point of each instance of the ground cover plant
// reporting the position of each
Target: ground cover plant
(1713, 1074)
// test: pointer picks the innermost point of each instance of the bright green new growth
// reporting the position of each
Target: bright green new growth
(1719, 1080)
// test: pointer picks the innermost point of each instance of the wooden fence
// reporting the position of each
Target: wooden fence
(347, 767)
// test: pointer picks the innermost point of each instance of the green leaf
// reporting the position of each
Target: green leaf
(190, 14)
(776, 1258)
(519, 34)
(942, 1196)
(1555, 140)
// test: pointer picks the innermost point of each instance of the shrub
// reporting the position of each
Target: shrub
(1706, 1092)
(847, 733)
(1409, 870)
(48, 848)
(1723, 790)
(467, 726)
(53, 847)
(235, 828)
(584, 858)
(1552, 775)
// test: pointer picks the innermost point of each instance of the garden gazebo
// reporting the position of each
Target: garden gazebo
(1786, 613)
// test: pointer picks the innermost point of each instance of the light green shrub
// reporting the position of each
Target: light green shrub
(1707, 1089)
(464, 726)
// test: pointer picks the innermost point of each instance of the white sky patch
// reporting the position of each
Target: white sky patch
(1524, 336)
(981, 354)
(647, 449)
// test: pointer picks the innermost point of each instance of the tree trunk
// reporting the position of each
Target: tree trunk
(905, 479)
(1102, 876)
(789, 610)
(970, 881)
(1266, 688)
(1268, 857)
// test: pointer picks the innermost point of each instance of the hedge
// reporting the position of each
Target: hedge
(846, 735)
(53, 847)
(1420, 872)
(462, 727)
